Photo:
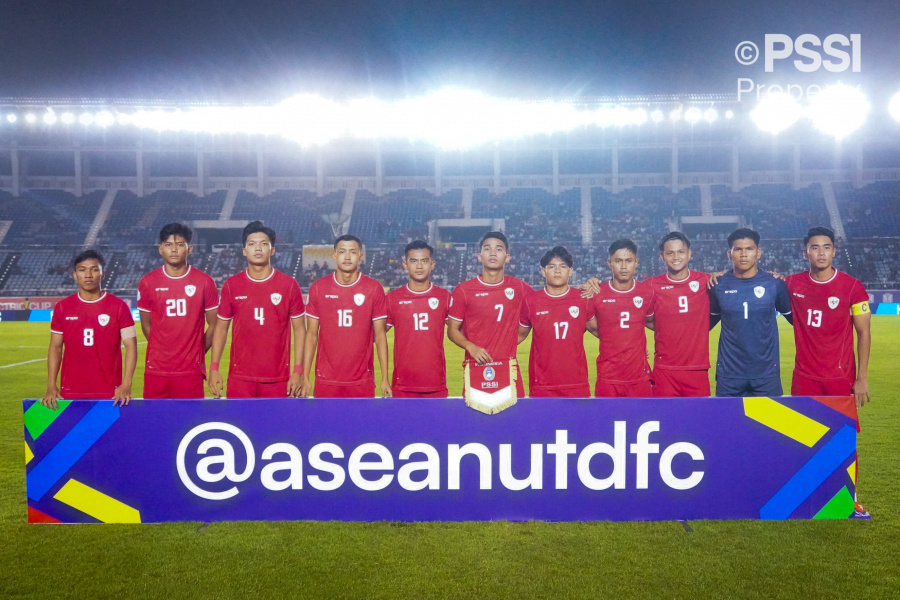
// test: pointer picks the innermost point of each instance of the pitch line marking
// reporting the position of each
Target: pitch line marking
(28, 362)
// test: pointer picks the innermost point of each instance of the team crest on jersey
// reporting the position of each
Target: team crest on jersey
(276, 299)
(509, 293)
(433, 303)
(760, 291)
(833, 302)
(694, 285)
(573, 310)
(638, 301)
(358, 299)
(104, 320)
(489, 374)
(190, 290)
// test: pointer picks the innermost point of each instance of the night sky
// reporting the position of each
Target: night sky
(270, 49)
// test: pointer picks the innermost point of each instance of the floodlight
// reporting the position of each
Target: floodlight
(894, 106)
(31, 118)
(775, 113)
(12, 118)
(639, 116)
(50, 118)
(675, 115)
(729, 114)
(657, 116)
(105, 118)
(693, 115)
(123, 119)
(67, 118)
(710, 114)
(86, 118)
(838, 110)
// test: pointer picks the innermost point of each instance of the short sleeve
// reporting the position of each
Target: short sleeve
(144, 299)
(524, 318)
(457, 304)
(297, 308)
(379, 307)
(782, 297)
(312, 304)
(57, 319)
(714, 308)
(858, 294)
(587, 305)
(651, 301)
(210, 295)
(226, 302)
(390, 313)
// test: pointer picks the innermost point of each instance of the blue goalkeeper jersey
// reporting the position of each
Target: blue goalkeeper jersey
(748, 341)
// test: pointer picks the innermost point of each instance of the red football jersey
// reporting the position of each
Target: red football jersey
(177, 307)
(346, 314)
(418, 319)
(623, 343)
(490, 313)
(92, 344)
(262, 310)
(681, 317)
(823, 324)
(557, 360)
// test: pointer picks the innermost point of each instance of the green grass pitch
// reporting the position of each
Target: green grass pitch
(808, 559)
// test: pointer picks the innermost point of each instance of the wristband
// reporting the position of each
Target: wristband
(213, 366)
(298, 369)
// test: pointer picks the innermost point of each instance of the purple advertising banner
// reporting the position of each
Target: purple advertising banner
(437, 460)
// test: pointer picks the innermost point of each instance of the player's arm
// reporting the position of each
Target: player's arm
(211, 320)
(381, 346)
(122, 395)
(523, 333)
(220, 336)
(862, 321)
(650, 322)
(145, 323)
(309, 353)
(714, 280)
(54, 360)
(783, 301)
(592, 328)
(454, 332)
(715, 311)
(298, 327)
(590, 287)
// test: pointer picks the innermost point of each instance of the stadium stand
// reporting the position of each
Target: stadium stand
(296, 216)
(775, 210)
(870, 211)
(401, 216)
(134, 220)
(48, 217)
(534, 214)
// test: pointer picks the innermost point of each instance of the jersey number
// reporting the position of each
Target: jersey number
(176, 308)
(88, 337)
(345, 318)
(745, 310)
(623, 322)
(682, 304)
(562, 326)
(420, 320)
(500, 314)
(813, 317)
(260, 315)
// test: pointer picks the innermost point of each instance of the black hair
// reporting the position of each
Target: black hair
(559, 252)
(743, 233)
(817, 231)
(348, 238)
(257, 227)
(179, 229)
(494, 235)
(672, 236)
(623, 245)
(88, 254)
(417, 245)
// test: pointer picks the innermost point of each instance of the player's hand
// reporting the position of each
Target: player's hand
(861, 392)
(714, 279)
(214, 381)
(776, 275)
(480, 355)
(591, 287)
(386, 390)
(50, 398)
(305, 387)
(295, 385)
(122, 395)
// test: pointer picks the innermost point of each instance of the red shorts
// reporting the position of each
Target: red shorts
(411, 394)
(173, 386)
(240, 388)
(801, 385)
(680, 384)
(630, 389)
(570, 391)
(362, 389)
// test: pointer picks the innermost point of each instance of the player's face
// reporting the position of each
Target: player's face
(175, 250)
(258, 249)
(88, 274)
(348, 255)
(419, 264)
(744, 253)
(493, 254)
(624, 265)
(820, 252)
(676, 255)
(557, 272)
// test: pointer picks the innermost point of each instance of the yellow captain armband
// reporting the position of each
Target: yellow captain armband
(860, 309)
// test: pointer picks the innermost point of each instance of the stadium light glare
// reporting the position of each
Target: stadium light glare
(105, 119)
(675, 115)
(657, 116)
(693, 115)
(729, 114)
(123, 119)
(894, 106)
(31, 118)
(838, 110)
(67, 118)
(639, 116)
(775, 113)
(50, 118)
(86, 119)
(12, 118)
(710, 114)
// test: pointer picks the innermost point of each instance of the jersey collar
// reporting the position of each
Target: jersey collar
(688, 278)
(102, 296)
(268, 277)
(565, 293)
(829, 280)
(483, 282)
(358, 279)
(628, 291)
(411, 291)
(186, 273)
